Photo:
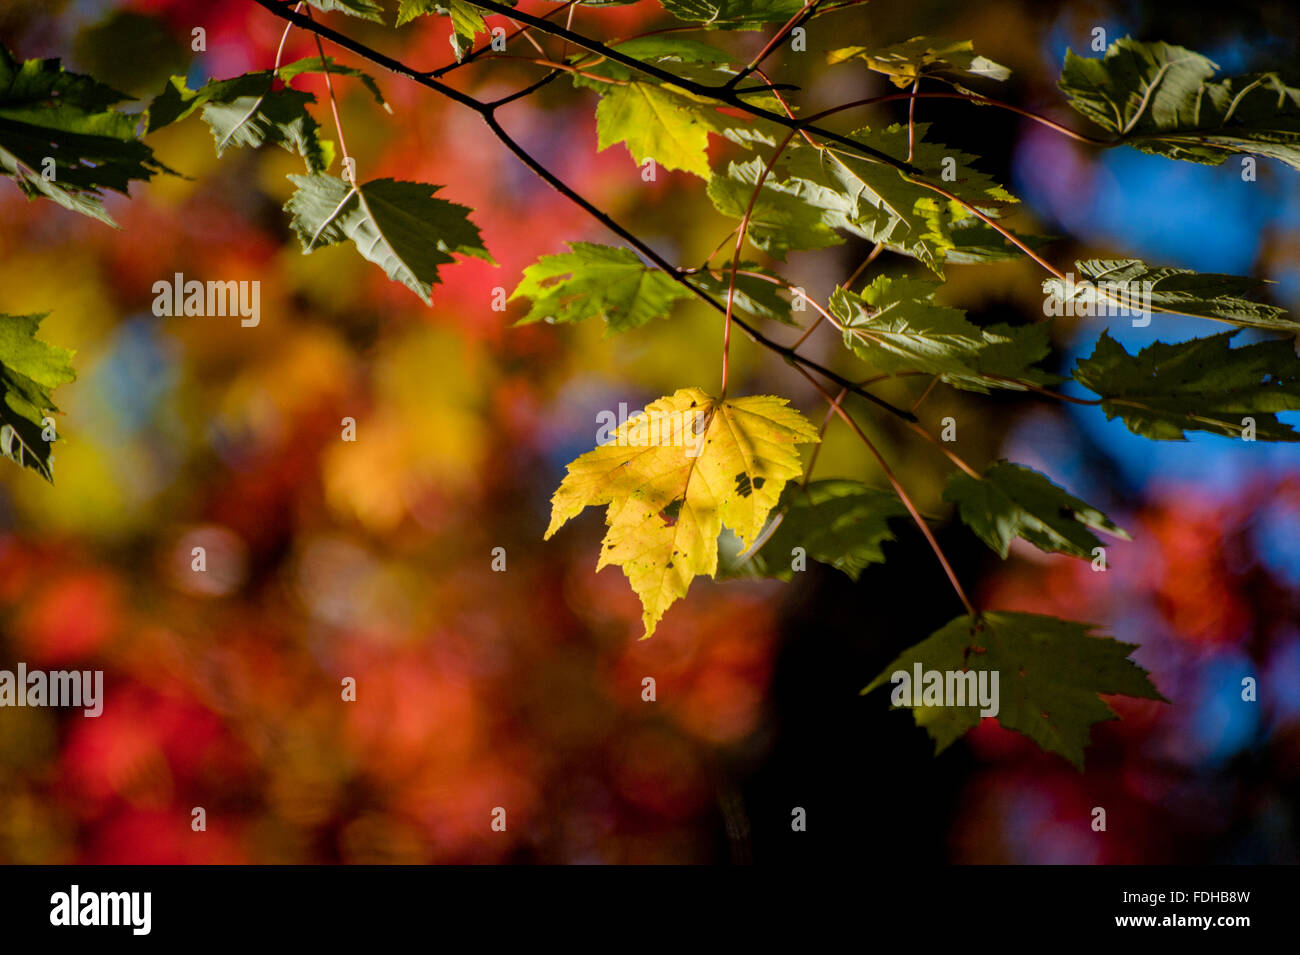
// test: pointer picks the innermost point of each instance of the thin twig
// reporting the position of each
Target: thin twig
(862, 267)
(809, 9)
(911, 119)
(735, 258)
(970, 98)
(821, 434)
(474, 54)
(925, 394)
(902, 495)
(334, 105)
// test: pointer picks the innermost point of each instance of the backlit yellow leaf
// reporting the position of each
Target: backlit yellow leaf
(674, 476)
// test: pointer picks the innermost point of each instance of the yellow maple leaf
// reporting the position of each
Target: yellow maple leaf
(673, 476)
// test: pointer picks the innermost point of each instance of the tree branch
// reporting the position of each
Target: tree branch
(487, 112)
(722, 94)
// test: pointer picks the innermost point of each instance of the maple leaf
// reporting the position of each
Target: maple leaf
(314, 64)
(466, 20)
(672, 53)
(674, 476)
(734, 14)
(62, 138)
(1159, 98)
(1198, 385)
(753, 294)
(246, 111)
(657, 122)
(29, 371)
(597, 281)
(400, 226)
(894, 324)
(1050, 674)
(1011, 500)
(778, 221)
(837, 522)
(879, 204)
(365, 9)
(1128, 286)
(904, 63)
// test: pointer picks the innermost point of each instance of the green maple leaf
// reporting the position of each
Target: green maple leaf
(597, 281)
(734, 14)
(1008, 358)
(400, 226)
(1160, 98)
(365, 9)
(662, 121)
(246, 111)
(314, 64)
(879, 204)
(674, 477)
(755, 295)
(1120, 286)
(466, 20)
(657, 122)
(1011, 501)
(61, 138)
(841, 523)
(1198, 385)
(968, 240)
(779, 220)
(895, 325)
(923, 56)
(30, 370)
(669, 52)
(1050, 676)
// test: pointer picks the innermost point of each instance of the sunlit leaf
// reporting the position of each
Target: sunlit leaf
(365, 9)
(880, 204)
(734, 14)
(674, 477)
(597, 281)
(779, 221)
(29, 371)
(466, 20)
(904, 63)
(1128, 286)
(894, 324)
